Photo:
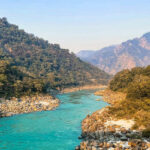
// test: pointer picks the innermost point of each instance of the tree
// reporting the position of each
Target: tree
(139, 88)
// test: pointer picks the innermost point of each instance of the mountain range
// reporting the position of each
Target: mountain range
(112, 59)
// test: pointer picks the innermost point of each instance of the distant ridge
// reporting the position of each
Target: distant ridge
(129, 54)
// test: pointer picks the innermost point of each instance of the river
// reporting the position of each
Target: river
(50, 130)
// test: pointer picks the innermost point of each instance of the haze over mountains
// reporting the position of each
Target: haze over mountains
(112, 59)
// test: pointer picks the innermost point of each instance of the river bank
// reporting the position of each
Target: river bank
(102, 130)
(35, 103)
(27, 104)
(85, 87)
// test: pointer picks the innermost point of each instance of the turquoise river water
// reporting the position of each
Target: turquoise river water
(50, 130)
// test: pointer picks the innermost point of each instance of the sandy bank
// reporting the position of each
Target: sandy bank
(86, 87)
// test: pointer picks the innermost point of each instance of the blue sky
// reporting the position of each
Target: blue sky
(80, 24)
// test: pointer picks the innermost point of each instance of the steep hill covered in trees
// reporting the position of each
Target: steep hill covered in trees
(47, 64)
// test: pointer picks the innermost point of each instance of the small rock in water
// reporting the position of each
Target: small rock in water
(77, 148)
(80, 137)
(124, 138)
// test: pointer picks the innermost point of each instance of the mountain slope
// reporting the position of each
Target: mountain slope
(41, 60)
(127, 55)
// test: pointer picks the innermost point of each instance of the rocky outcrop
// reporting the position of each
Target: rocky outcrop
(124, 144)
(27, 104)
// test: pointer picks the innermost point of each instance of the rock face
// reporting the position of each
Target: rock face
(27, 104)
(127, 55)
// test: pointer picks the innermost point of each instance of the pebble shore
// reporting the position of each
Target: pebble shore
(27, 104)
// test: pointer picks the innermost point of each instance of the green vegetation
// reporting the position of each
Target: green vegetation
(139, 88)
(136, 85)
(30, 64)
(13, 82)
(135, 82)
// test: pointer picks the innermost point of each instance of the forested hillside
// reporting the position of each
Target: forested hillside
(26, 56)
(13, 82)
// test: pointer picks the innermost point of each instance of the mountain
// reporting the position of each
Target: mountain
(129, 54)
(38, 59)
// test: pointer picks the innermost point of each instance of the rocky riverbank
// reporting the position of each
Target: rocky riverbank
(102, 130)
(27, 104)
